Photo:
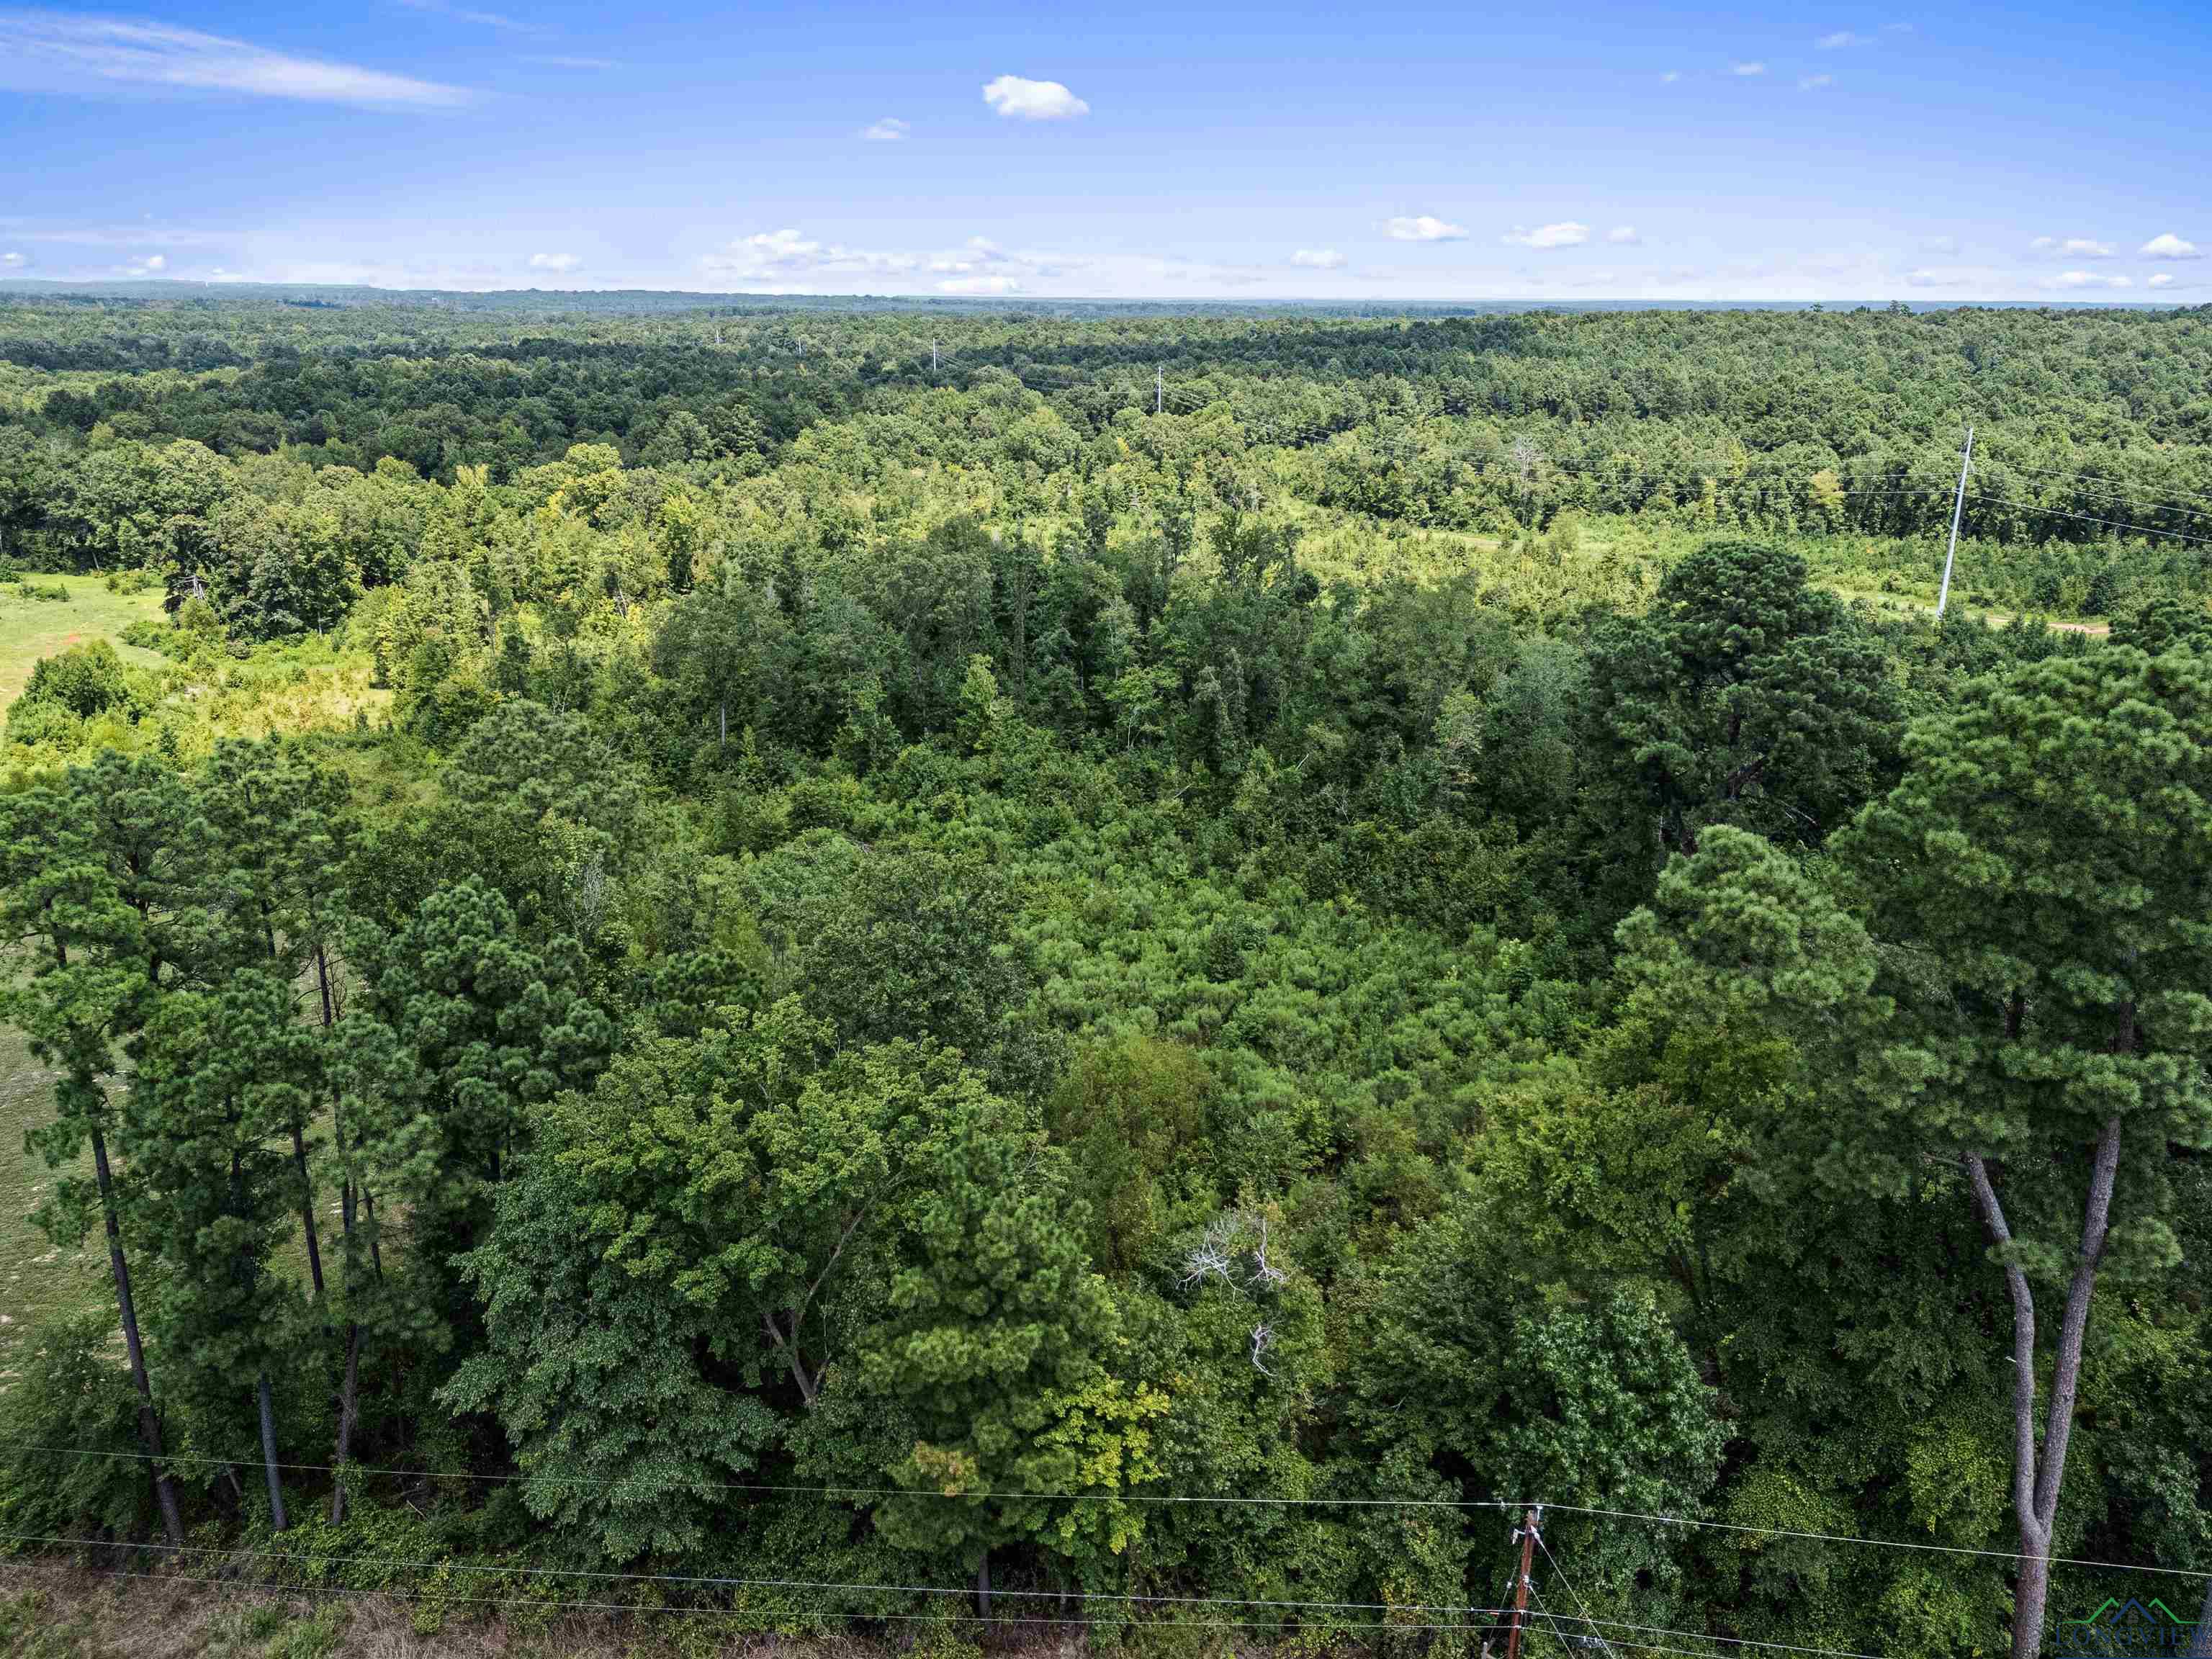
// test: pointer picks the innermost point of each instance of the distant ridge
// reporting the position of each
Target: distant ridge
(636, 301)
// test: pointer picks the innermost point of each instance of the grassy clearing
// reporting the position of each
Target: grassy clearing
(37, 1279)
(31, 629)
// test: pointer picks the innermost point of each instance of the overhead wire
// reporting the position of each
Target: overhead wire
(721, 1581)
(766, 1620)
(1475, 1504)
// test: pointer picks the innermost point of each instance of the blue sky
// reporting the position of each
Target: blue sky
(1836, 151)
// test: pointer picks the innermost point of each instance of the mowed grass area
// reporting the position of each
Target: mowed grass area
(31, 629)
(38, 1280)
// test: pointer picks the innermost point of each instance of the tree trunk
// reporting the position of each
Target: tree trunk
(368, 1214)
(323, 985)
(268, 1453)
(307, 1209)
(149, 1425)
(983, 1586)
(722, 728)
(2037, 1472)
(349, 1403)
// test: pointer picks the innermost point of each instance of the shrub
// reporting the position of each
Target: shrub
(72, 1394)
(85, 680)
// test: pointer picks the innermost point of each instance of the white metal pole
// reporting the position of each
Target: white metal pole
(1958, 505)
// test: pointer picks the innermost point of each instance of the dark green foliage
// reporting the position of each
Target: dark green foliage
(951, 938)
(1743, 697)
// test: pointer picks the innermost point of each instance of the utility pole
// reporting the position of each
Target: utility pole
(933, 357)
(1159, 392)
(1958, 505)
(1521, 1586)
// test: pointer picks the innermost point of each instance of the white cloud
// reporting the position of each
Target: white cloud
(1566, 233)
(1623, 236)
(1033, 100)
(559, 263)
(1747, 69)
(889, 131)
(152, 265)
(1941, 244)
(2168, 246)
(12, 260)
(2160, 279)
(2088, 279)
(1423, 227)
(45, 51)
(1954, 276)
(568, 60)
(1668, 77)
(1318, 258)
(978, 285)
(786, 256)
(1814, 82)
(1841, 39)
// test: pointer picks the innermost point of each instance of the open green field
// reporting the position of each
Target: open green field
(37, 1279)
(31, 629)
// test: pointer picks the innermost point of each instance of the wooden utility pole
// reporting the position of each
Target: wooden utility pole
(1521, 1586)
(1957, 507)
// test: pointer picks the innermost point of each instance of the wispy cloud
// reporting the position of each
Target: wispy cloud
(1318, 258)
(1814, 82)
(1567, 234)
(1623, 236)
(1747, 69)
(889, 131)
(154, 265)
(12, 260)
(1423, 227)
(490, 20)
(2088, 279)
(1841, 39)
(559, 263)
(1021, 99)
(2168, 246)
(46, 52)
(789, 260)
(1668, 77)
(2074, 248)
(2158, 279)
(570, 60)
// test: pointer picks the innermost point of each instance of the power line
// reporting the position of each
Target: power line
(1703, 1636)
(1226, 1500)
(769, 1621)
(717, 1581)
(766, 1486)
(1881, 1543)
(2080, 481)
(1581, 1604)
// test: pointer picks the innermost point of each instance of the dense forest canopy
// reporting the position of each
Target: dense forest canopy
(843, 947)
